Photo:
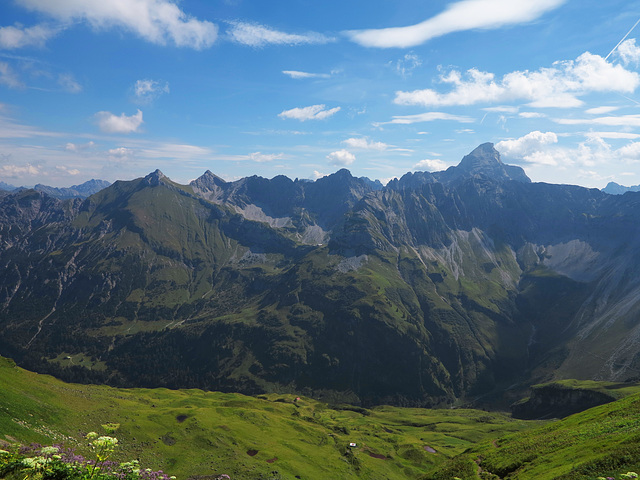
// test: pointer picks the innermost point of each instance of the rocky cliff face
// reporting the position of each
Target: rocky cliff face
(440, 286)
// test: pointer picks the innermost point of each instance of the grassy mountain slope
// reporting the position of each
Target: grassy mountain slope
(195, 434)
(191, 433)
(600, 442)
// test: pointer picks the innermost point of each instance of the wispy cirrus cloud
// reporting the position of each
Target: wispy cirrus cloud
(426, 117)
(601, 110)
(531, 115)
(365, 144)
(407, 64)
(312, 112)
(11, 128)
(18, 36)
(146, 91)
(69, 83)
(613, 135)
(9, 77)
(459, 16)
(257, 35)
(300, 75)
(110, 123)
(157, 21)
(260, 157)
(611, 121)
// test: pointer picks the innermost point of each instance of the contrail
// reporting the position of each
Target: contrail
(623, 39)
(630, 99)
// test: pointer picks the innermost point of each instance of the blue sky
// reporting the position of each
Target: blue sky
(114, 89)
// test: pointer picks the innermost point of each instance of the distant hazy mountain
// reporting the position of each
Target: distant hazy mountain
(614, 188)
(76, 191)
(438, 287)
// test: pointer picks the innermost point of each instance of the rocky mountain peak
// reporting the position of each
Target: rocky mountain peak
(155, 178)
(483, 157)
(484, 161)
(343, 174)
(614, 188)
(208, 181)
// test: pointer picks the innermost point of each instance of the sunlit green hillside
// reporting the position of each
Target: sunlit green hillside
(601, 442)
(190, 433)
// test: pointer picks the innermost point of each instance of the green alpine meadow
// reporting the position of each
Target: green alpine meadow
(194, 433)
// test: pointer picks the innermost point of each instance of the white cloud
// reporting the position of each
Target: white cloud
(256, 35)
(430, 165)
(502, 109)
(175, 151)
(341, 157)
(317, 174)
(13, 171)
(630, 152)
(558, 86)
(427, 117)
(531, 115)
(157, 21)
(65, 169)
(542, 150)
(313, 112)
(601, 110)
(8, 77)
(557, 101)
(75, 147)
(120, 152)
(619, 121)
(364, 144)
(18, 36)
(628, 52)
(459, 16)
(265, 157)
(299, 75)
(146, 91)
(407, 64)
(9, 128)
(528, 147)
(613, 135)
(110, 123)
(68, 83)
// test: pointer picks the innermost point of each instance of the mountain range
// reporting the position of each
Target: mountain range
(614, 188)
(80, 191)
(436, 289)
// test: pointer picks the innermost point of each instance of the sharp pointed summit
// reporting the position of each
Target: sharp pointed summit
(155, 178)
(485, 161)
(482, 157)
